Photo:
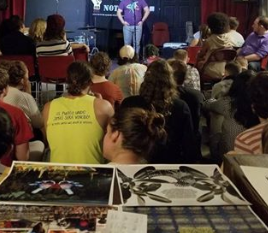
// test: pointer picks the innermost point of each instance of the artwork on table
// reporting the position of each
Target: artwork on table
(53, 219)
(258, 177)
(49, 183)
(176, 185)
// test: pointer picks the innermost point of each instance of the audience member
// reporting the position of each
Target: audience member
(19, 95)
(37, 29)
(23, 132)
(15, 42)
(192, 78)
(151, 53)
(129, 75)
(54, 42)
(192, 97)
(200, 36)
(256, 44)
(122, 143)
(220, 89)
(236, 112)
(249, 142)
(159, 92)
(7, 133)
(219, 24)
(236, 38)
(75, 123)
(100, 64)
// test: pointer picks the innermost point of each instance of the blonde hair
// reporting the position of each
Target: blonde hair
(37, 29)
(180, 54)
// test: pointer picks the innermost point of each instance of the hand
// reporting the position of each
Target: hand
(126, 23)
(140, 23)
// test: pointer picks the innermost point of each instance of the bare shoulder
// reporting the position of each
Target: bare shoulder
(103, 107)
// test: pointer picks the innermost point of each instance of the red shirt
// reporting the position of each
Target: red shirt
(109, 91)
(23, 131)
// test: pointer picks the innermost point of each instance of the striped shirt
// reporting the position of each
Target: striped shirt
(250, 141)
(54, 48)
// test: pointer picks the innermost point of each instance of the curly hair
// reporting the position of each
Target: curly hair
(17, 72)
(37, 29)
(100, 63)
(240, 99)
(6, 132)
(78, 77)
(136, 124)
(55, 28)
(218, 23)
(159, 87)
(259, 94)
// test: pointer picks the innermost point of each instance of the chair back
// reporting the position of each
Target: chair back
(29, 61)
(264, 62)
(80, 54)
(192, 54)
(218, 55)
(160, 34)
(54, 68)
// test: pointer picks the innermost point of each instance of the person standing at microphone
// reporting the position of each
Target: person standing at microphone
(135, 13)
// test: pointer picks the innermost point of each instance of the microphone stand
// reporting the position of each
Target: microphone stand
(57, 9)
(135, 27)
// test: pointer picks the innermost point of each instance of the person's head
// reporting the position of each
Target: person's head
(204, 31)
(100, 63)
(133, 130)
(127, 55)
(151, 50)
(260, 25)
(233, 23)
(18, 74)
(232, 68)
(259, 94)
(15, 23)
(265, 140)
(159, 87)
(55, 27)
(241, 104)
(218, 23)
(179, 70)
(243, 62)
(37, 29)
(182, 55)
(6, 132)
(79, 76)
(5, 64)
(4, 80)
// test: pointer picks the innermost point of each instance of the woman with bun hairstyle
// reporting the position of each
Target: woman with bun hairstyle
(132, 135)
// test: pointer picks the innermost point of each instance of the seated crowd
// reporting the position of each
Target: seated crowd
(136, 113)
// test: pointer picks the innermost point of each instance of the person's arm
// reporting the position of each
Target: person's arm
(103, 111)
(120, 17)
(22, 151)
(145, 15)
(253, 57)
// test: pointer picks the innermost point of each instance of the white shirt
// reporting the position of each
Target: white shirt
(236, 38)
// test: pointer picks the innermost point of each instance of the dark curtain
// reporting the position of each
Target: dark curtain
(245, 12)
(15, 7)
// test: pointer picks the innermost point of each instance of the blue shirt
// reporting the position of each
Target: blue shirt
(255, 44)
(130, 7)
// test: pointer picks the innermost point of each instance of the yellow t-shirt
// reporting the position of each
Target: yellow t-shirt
(73, 132)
